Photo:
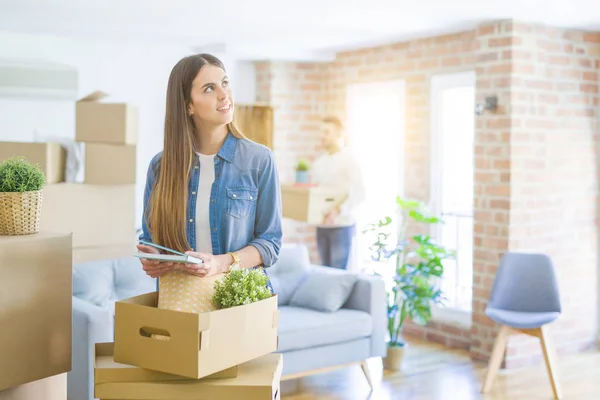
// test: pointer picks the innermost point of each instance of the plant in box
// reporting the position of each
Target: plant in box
(413, 286)
(239, 287)
(302, 169)
(21, 184)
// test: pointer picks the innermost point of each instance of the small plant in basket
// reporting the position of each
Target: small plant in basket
(239, 287)
(21, 184)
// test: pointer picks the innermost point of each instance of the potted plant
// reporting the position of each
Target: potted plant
(21, 184)
(302, 169)
(414, 285)
(239, 287)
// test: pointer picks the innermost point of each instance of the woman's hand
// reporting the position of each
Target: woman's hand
(154, 268)
(212, 264)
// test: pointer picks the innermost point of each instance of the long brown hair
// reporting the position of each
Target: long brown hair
(166, 212)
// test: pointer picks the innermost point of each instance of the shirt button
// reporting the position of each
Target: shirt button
(193, 192)
(191, 220)
(213, 200)
(195, 167)
(234, 195)
(250, 197)
(214, 229)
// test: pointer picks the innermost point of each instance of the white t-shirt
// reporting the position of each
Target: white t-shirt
(207, 177)
(341, 171)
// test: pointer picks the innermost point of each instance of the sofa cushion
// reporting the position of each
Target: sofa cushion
(93, 281)
(324, 289)
(130, 279)
(301, 328)
(289, 271)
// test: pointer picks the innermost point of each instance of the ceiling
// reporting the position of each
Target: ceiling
(280, 29)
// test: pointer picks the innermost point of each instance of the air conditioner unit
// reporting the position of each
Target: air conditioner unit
(32, 79)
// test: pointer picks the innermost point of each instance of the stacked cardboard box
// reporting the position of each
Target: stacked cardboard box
(109, 134)
(223, 354)
(100, 209)
(36, 316)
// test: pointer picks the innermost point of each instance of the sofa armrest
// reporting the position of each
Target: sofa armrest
(369, 295)
(91, 324)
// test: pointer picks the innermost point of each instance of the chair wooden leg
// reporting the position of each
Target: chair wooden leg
(365, 367)
(496, 358)
(551, 359)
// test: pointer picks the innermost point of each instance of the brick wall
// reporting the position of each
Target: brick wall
(535, 158)
(545, 142)
(295, 90)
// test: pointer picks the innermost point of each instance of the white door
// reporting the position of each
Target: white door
(375, 115)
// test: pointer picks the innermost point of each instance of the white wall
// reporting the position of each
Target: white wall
(130, 72)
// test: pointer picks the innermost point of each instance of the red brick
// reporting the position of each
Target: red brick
(559, 60)
(591, 37)
(526, 69)
(590, 76)
(486, 30)
(588, 88)
(500, 69)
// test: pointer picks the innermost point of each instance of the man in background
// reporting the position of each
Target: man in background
(337, 168)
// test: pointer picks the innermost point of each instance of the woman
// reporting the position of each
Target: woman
(210, 193)
(337, 168)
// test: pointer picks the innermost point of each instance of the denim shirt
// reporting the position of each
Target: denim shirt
(245, 200)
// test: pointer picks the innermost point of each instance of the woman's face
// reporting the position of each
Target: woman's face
(212, 100)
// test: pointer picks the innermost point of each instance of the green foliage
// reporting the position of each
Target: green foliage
(418, 267)
(303, 165)
(19, 175)
(241, 286)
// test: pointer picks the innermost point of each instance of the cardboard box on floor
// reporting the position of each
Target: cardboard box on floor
(97, 215)
(199, 344)
(51, 157)
(51, 388)
(257, 379)
(309, 203)
(109, 164)
(36, 301)
(106, 370)
(100, 122)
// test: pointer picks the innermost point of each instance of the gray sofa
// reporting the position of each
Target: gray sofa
(328, 317)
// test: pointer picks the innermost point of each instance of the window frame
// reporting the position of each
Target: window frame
(439, 83)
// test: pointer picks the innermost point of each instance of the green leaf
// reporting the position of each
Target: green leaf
(239, 287)
(19, 175)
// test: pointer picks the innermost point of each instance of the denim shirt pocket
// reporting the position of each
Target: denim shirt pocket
(241, 201)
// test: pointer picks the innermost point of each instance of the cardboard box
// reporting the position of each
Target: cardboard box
(199, 344)
(52, 388)
(100, 122)
(35, 307)
(309, 203)
(109, 164)
(97, 215)
(95, 253)
(258, 379)
(106, 370)
(51, 157)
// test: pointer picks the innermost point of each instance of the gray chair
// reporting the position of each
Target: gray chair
(524, 299)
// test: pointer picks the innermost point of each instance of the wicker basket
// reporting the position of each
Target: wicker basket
(20, 212)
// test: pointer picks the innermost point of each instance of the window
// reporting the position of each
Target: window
(452, 175)
(375, 119)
